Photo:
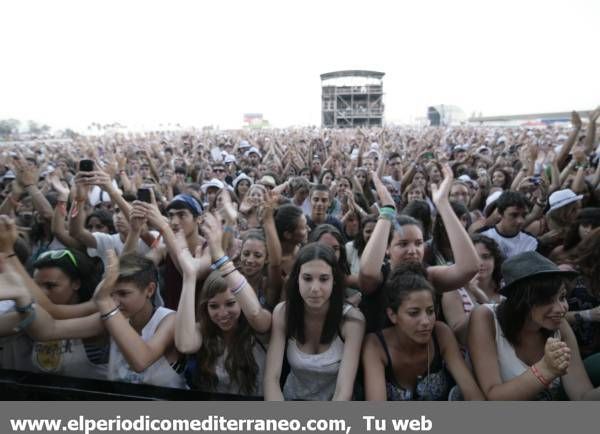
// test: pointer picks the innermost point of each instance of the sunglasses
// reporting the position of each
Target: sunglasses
(59, 254)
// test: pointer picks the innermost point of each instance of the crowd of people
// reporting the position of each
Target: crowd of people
(397, 263)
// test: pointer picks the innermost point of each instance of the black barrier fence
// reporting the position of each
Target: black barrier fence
(27, 386)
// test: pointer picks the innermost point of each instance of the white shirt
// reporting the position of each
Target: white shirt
(104, 242)
(160, 373)
(511, 246)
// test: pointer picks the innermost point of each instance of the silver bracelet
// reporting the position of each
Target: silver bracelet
(112, 313)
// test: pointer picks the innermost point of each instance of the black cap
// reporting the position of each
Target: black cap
(526, 265)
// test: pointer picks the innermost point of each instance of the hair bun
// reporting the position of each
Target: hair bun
(410, 268)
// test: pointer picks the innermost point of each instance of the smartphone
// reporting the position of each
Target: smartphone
(428, 155)
(86, 165)
(143, 194)
(536, 180)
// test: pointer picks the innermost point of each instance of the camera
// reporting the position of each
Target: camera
(86, 165)
(143, 194)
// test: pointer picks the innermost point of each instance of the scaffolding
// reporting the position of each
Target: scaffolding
(352, 99)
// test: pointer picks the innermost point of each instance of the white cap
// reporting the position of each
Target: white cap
(212, 183)
(491, 199)
(252, 150)
(241, 177)
(561, 198)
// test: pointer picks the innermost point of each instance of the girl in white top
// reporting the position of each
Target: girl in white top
(220, 329)
(320, 338)
(524, 346)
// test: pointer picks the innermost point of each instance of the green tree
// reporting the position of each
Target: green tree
(9, 127)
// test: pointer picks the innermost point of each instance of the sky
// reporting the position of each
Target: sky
(143, 63)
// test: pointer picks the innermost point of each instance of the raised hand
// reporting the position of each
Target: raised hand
(8, 234)
(595, 114)
(152, 213)
(213, 232)
(102, 294)
(385, 198)
(228, 211)
(191, 266)
(267, 209)
(137, 216)
(575, 119)
(12, 285)
(53, 180)
(25, 174)
(439, 194)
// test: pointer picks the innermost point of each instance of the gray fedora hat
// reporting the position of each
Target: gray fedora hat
(526, 265)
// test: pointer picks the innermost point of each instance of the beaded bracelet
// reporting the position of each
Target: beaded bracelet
(387, 214)
(219, 262)
(540, 377)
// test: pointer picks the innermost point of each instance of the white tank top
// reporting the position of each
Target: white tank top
(66, 357)
(313, 376)
(160, 373)
(510, 364)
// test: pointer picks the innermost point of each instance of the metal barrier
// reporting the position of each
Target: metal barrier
(27, 386)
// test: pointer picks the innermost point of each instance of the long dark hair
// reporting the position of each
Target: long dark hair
(366, 187)
(440, 236)
(419, 209)
(359, 241)
(513, 311)
(239, 363)
(496, 253)
(323, 229)
(587, 260)
(589, 216)
(105, 218)
(295, 303)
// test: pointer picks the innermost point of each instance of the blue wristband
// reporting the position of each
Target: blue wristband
(219, 262)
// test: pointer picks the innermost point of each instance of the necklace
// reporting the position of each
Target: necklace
(426, 392)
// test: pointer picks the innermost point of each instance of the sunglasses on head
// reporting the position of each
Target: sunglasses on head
(58, 254)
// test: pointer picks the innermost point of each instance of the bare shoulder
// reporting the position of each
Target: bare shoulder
(354, 314)
(482, 317)
(279, 314)
(372, 347)
(442, 329)
(167, 321)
